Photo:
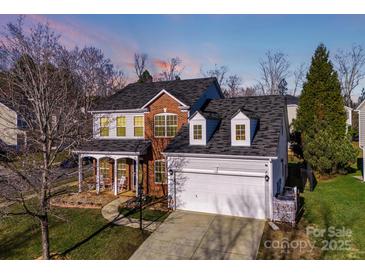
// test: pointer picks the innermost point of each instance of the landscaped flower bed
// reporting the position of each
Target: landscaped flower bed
(83, 200)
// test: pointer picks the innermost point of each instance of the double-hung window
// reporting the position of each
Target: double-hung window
(197, 132)
(121, 168)
(104, 126)
(240, 132)
(160, 172)
(121, 126)
(104, 168)
(165, 125)
(138, 123)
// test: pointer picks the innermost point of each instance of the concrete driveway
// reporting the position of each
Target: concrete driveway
(191, 235)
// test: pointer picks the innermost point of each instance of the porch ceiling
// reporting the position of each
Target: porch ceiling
(125, 146)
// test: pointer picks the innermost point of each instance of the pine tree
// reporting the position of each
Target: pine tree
(321, 117)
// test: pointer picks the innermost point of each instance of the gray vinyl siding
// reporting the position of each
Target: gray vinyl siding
(361, 128)
(211, 93)
(211, 127)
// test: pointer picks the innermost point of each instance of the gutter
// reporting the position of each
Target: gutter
(223, 156)
(107, 152)
(132, 110)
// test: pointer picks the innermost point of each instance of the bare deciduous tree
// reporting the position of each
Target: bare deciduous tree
(172, 69)
(274, 69)
(299, 75)
(233, 83)
(44, 88)
(249, 91)
(350, 67)
(96, 73)
(140, 62)
(218, 72)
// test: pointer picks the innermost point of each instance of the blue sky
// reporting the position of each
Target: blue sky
(237, 41)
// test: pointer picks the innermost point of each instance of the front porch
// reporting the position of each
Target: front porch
(113, 173)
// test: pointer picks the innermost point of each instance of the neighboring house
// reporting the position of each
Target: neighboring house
(361, 111)
(292, 108)
(348, 116)
(11, 127)
(182, 138)
(231, 158)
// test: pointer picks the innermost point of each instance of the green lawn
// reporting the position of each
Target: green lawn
(83, 228)
(339, 202)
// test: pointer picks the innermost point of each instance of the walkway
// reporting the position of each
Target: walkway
(111, 213)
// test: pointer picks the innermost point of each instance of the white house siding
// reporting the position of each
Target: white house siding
(234, 187)
(348, 116)
(362, 128)
(292, 113)
(112, 126)
(8, 126)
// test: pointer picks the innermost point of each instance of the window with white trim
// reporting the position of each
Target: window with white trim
(104, 168)
(121, 126)
(121, 168)
(240, 132)
(104, 126)
(165, 125)
(138, 123)
(197, 132)
(160, 172)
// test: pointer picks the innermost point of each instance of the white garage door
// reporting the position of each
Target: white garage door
(222, 194)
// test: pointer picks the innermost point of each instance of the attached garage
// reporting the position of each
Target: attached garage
(221, 186)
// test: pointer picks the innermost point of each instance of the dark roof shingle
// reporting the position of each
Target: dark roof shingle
(269, 109)
(115, 145)
(136, 95)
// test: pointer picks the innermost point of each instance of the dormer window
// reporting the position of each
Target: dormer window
(240, 132)
(165, 125)
(243, 127)
(197, 132)
(104, 126)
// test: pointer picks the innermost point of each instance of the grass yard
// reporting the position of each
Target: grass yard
(337, 203)
(80, 231)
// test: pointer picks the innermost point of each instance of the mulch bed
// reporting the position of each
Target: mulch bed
(83, 200)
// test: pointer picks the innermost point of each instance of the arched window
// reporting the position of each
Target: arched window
(165, 125)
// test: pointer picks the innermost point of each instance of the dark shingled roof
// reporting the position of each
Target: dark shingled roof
(115, 145)
(292, 100)
(269, 109)
(136, 95)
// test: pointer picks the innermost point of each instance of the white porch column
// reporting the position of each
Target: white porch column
(80, 173)
(115, 176)
(136, 175)
(97, 175)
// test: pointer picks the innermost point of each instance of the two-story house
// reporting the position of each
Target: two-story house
(132, 128)
(184, 140)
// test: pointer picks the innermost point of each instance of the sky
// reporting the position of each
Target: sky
(202, 41)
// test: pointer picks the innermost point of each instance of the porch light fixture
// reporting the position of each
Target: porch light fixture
(171, 172)
(267, 178)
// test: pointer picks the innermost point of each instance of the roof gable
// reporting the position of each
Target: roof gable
(159, 94)
(136, 95)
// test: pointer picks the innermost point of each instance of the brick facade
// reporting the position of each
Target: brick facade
(163, 104)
